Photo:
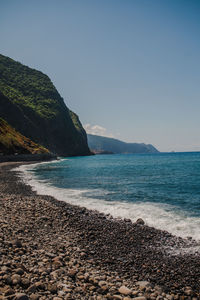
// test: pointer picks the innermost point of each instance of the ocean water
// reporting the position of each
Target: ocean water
(163, 189)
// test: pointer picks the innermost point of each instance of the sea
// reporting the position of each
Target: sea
(163, 188)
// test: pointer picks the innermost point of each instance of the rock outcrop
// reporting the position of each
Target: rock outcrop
(30, 103)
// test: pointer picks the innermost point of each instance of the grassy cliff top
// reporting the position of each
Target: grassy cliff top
(12, 142)
(28, 87)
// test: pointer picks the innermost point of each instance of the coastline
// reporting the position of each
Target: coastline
(85, 254)
(27, 157)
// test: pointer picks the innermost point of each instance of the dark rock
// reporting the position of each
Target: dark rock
(17, 243)
(7, 279)
(140, 221)
(52, 288)
(32, 288)
(19, 271)
(25, 282)
(9, 291)
(40, 285)
(21, 296)
(72, 273)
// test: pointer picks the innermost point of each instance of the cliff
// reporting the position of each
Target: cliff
(101, 143)
(12, 142)
(30, 103)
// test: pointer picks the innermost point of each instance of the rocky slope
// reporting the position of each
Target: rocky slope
(12, 141)
(101, 143)
(30, 103)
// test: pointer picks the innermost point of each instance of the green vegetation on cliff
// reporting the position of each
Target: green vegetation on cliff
(28, 87)
(31, 104)
(76, 121)
(12, 141)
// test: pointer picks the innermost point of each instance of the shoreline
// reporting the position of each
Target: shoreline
(157, 214)
(23, 158)
(110, 248)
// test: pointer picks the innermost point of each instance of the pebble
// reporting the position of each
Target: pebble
(124, 290)
(17, 244)
(140, 221)
(21, 296)
(25, 282)
(9, 291)
(102, 283)
(16, 279)
(52, 288)
(34, 296)
(19, 271)
(31, 288)
(143, 284)
(72, 273)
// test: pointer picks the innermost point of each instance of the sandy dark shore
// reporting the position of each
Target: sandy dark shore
(52, 250)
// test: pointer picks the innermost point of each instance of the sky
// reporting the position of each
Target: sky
(129, 69)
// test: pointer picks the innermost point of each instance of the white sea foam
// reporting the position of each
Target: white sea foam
(160, 216)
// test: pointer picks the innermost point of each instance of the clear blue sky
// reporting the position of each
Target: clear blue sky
(132, 67)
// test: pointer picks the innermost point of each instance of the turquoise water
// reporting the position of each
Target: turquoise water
(163, 189)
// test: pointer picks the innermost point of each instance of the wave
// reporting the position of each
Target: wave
(158, 215)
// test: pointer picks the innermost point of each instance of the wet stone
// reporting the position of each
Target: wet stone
(140, 221)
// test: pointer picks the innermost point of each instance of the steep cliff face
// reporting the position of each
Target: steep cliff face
(101, 143)
(12, 142)
(31, 104)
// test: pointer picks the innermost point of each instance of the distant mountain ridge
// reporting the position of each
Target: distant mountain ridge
(101, 143)
(30, 103)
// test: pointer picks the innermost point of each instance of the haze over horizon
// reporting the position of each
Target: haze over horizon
(129, 69)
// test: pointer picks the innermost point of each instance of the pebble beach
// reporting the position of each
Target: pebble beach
(50, 249)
